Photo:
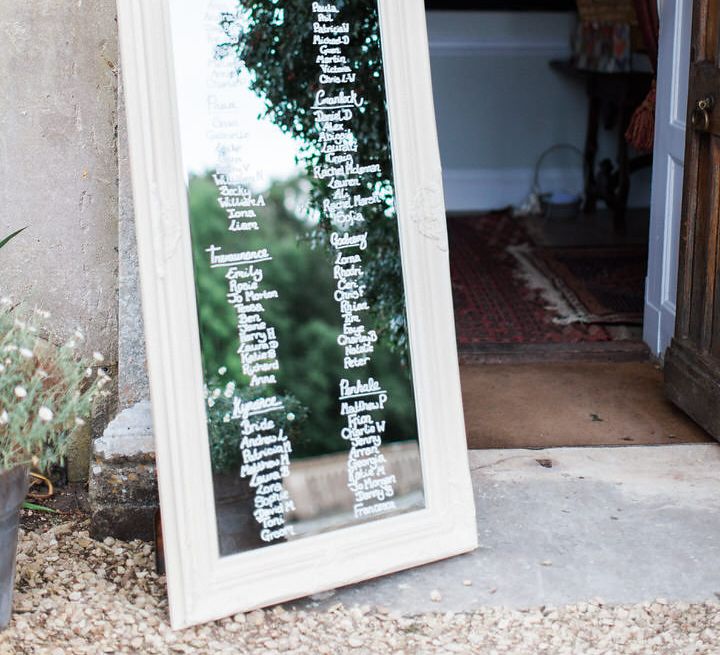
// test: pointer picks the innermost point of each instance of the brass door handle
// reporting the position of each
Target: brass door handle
(700, 117)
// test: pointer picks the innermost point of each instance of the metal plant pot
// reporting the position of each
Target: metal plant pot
(13, 487)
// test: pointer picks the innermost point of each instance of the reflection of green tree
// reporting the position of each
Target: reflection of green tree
(225, 438)
(274, 42)
(305, 316)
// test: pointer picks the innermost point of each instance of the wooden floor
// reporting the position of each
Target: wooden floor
(554, 404)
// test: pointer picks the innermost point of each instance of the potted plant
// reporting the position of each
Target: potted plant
(46, 392)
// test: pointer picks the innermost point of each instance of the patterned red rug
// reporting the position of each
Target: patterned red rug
(603, 285)
(493, 304)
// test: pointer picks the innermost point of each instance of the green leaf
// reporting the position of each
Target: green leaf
(39, 508)
(11, 236)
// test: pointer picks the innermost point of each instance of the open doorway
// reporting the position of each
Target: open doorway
(554, 250)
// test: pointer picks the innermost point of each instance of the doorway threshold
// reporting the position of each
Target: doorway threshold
(605, 351)
(571, 403)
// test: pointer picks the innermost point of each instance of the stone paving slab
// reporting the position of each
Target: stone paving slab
(568, 525)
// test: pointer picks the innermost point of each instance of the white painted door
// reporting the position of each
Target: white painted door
(670, 116)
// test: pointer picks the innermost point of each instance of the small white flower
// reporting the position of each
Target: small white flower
(211, 402)
(88, 372)
(45, 414)
(20, 392)
(71, 343)
(229, 390)
(26, 353)
(79, 422)
(291, 417)
(42, 373)
(226, 418)
(98, 357)
(216, 393)
(4, 418)
(222, 370)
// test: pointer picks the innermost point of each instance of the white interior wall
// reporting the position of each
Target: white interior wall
(499, 106)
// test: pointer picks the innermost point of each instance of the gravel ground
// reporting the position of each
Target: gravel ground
(75, 595)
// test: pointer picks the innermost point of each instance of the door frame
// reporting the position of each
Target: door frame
(668, 169)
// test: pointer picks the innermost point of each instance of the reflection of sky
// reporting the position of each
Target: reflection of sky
(265, 153)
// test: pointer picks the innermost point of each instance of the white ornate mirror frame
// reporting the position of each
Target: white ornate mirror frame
(202, 585)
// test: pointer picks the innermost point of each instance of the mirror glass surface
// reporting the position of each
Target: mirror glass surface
(309, 392)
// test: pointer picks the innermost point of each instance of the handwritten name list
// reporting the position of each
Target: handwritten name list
(265, 447)
(362, 398)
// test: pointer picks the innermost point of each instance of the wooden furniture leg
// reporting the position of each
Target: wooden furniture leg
(591, 148)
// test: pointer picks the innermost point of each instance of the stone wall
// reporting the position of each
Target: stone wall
(132, 365)
(58, 162)
(59, 174)
(122, 483)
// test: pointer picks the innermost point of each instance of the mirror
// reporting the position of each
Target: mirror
(296, 296)
(300, 293)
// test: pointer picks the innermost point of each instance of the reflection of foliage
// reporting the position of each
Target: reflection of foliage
(225, 433)
(305, 316)
(274, 42)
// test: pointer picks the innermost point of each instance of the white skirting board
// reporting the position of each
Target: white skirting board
(485, 189)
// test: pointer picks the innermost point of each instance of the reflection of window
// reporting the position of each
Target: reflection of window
(502, 5)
